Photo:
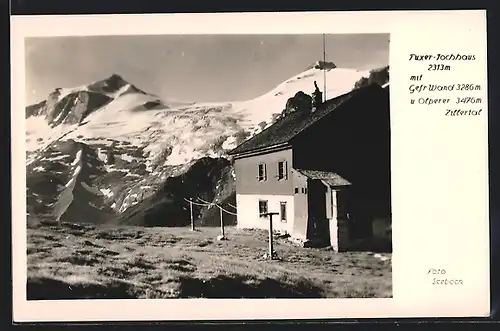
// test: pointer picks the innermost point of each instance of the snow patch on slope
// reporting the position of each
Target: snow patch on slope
(339, 81)
(39, 133)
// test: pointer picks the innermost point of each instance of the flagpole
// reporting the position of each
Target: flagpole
(324, 68)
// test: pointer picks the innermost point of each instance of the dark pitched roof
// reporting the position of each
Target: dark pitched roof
(292, 124)
(330, 178)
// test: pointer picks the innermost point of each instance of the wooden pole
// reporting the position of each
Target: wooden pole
(271, 248)
(221, 222)
(324, 68)
(191, 211)
(271, 236)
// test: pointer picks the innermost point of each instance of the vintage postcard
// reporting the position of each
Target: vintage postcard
(287, 165)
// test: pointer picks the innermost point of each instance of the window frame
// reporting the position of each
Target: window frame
(285, 170)
(266, 202)
(283, 205)
(262, 178)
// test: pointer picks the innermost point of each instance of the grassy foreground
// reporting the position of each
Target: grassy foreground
(74, 261)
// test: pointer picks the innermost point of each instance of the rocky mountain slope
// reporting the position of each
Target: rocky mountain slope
(109, 152)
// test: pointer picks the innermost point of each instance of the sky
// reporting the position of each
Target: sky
(203, 68)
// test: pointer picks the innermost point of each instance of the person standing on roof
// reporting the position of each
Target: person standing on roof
(317, 96)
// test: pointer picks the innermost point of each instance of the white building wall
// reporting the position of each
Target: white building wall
(334, 226)
(248, 212)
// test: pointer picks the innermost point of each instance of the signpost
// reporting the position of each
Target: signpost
(192, 216)
(222, 234)
(271, 249)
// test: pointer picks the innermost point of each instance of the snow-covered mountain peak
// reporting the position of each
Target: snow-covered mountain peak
(113, 86)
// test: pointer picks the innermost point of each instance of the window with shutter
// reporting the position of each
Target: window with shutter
(282, 170)
(262, 176)
(283, 211)
(262, 207)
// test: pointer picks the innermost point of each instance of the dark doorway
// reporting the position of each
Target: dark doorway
(318, 226)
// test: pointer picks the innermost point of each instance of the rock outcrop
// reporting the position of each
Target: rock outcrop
(299, 102)
(323, 65)
(75, 107)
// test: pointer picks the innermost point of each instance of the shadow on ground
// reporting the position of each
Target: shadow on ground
(244, 287)
(52, 289)
(374, 245)
(217, 287)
